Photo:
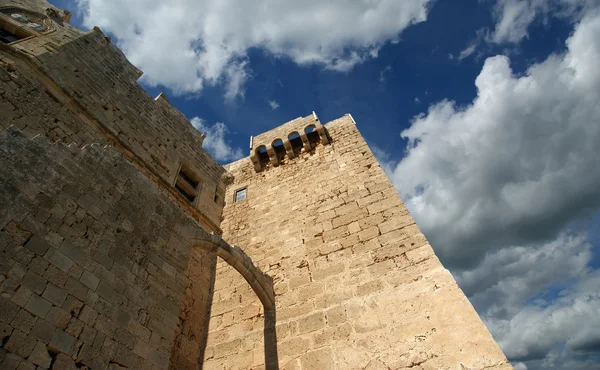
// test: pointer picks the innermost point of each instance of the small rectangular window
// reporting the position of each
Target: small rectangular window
(240, 195)
(187, 183)
(8, 37)
(10, 32)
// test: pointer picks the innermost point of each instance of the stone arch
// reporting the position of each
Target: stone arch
(295, 142)
(278, 148)
(261, 283)
(312, 134)
(263, 156)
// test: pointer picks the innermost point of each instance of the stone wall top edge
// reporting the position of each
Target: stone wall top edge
(345, 119)
(35, 5)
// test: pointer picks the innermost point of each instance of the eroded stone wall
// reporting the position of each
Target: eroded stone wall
(97, 264)
(357, 285)
(78, 87)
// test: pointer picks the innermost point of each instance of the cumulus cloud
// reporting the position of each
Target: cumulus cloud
(496, 184)
(506, 278)
(215, 142)
(186, 44)
(273, 104)
(515, 165)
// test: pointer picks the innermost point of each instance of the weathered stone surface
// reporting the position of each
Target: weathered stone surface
(101, 263)
(70, 299)
(40, 356)
(357, 285)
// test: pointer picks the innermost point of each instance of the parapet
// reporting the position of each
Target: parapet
(289, 139)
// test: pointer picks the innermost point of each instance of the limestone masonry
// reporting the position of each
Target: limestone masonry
(125, 245)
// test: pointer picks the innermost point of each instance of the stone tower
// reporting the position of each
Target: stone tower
(357, 285)
(117, 232)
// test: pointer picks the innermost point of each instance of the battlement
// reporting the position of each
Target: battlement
(289, 139)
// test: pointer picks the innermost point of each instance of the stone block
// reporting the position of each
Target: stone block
(88, 315)
(38, 245)
(40, 356)
(21, 296)
(43, 331)
(56, 276)
(5, 331)
(159, 359)
(75, 253)
(332, 270)
(24, 321)
(54, 294)
(58, 259)
(61, 342)
(76, 289)
(38, 306)
(8, 310)
(369, 287)
(142, 349)
(10, 362)
(88, 335)
(72, 305)
(64, 362)
(89, 280)
(336, 315)
(58, 317)
(34, 282)
(311, 323)
(368, 233)
(20, 343)
(17, 272)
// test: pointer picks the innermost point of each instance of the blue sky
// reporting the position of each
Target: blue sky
(484, 114)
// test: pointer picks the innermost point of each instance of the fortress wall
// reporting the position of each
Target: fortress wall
(82, 89)
(97, 265)
(357, 285)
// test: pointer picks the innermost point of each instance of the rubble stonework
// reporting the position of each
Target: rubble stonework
(123, 243)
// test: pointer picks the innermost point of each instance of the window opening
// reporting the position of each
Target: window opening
(189, 177)
(279, 149)
(295, 142)
(240, 194)
(10, 33)
(187, 183)
(187, 195)
(312, 134)
(263, 156)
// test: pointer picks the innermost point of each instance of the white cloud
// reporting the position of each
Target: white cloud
(236, 75)
(384, 158)
(515, 165)
(509, 277)
(215, 142)
(273, 104)
(513, 17)
(496, 184)
(186, 44)
(466, 52)
(383, 73)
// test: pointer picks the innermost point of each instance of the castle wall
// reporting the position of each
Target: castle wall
(78, 87)
(97, 264)
(357, 285)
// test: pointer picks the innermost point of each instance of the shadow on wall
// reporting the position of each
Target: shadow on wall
(261, 283)
(271, 357)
